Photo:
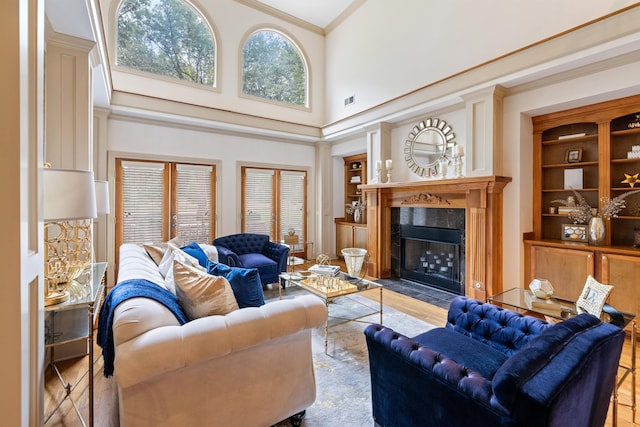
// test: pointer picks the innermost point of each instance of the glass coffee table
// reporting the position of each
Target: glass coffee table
(558, 309)
(329, 287)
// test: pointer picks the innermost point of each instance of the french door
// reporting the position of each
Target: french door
(274, 202)
(157, 201)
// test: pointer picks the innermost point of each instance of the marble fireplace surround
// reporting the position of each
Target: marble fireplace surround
(480, 197)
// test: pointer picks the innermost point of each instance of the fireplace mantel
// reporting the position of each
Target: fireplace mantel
(480, 197)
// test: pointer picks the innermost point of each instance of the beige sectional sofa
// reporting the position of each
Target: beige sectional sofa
(251, 367)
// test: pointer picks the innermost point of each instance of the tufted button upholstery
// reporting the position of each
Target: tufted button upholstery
(493, 367)
(504, 330)
(250, 250)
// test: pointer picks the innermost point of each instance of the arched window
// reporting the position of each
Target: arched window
(273, 68)
(166, 37)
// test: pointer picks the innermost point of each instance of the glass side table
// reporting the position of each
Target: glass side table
(559, 309)
(68, 322)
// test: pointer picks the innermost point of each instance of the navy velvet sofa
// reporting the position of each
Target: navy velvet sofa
(494, 367)
(250, 250)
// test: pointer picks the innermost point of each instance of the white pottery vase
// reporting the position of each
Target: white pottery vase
(356, 215)
(597, 231)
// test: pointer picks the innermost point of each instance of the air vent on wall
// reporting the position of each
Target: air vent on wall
(349, 100)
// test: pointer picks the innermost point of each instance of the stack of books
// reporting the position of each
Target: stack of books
(322, 270)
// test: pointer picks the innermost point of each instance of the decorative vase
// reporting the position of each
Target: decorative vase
(597, 231)
(356, 215)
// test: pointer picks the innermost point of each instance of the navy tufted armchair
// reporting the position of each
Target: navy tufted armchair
(494, 367)
(249, 250)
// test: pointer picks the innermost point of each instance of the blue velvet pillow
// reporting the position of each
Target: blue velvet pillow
(245, 283)
(196, 251)
(535, 355)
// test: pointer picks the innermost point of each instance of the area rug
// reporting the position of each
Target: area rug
(342, 374)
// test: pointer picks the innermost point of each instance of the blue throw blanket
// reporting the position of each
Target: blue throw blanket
(121, 292)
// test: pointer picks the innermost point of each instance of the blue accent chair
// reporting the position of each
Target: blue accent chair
(493, 367)
(250, 250)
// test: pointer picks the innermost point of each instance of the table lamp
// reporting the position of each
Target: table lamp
(69, 195)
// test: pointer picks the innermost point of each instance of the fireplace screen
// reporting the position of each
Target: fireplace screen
(432, 256)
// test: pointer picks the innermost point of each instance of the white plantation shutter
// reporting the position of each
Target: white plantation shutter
(258, 203)
(293, 202)
(157, 201)
(143, 196)
(192, 219)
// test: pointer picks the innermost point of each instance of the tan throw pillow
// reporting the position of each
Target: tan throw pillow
(201, 294)
(166, 265)
(157, 250)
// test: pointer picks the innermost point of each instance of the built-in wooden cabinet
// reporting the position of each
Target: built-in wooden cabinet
(593, 149)
(355, 174)
(351, 232)
(350, 235)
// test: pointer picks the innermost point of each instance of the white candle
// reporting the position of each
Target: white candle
(389, 164)
(458, 151)
(379, 165)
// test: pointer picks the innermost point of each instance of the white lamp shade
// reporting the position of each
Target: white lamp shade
(68, 194)
(102, 197)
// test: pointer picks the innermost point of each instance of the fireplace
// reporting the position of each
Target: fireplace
(479, 199)
(432, 256)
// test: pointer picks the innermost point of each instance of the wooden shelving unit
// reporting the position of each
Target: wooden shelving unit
(602, 134)
(348, 232)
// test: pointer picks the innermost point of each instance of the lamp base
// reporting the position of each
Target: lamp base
(56, 297)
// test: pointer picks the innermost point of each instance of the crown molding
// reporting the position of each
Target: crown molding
(254, 4)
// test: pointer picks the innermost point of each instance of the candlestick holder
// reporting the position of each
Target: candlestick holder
(457, 166)
(389, 175)
(379, 174)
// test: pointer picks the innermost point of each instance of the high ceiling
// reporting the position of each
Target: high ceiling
(320, 13)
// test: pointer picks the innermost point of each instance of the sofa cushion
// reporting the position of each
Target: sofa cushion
(156, 250)
(166, 265)
(535, 355)
(464, 350)
(245, 283)
(201, 294)
(197, 252)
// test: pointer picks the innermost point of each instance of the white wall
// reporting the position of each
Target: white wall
(387, 49)
(228, 152)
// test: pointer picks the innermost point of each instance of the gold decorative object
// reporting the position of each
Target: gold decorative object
(635, 123)
(323, 259)
(630, 179)
(69, 196)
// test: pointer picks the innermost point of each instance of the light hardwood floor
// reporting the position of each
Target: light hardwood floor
(106, 402)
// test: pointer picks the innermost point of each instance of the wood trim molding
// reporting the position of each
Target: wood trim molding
(481, 197)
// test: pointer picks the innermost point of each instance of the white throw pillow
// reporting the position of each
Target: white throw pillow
(166, 265)
(201, 294)
(210, 250)
(157, 250)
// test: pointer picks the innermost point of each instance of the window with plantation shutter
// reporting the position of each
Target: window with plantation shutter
(258, 202)
(293, 202)
(143, 195)
(274, 201)
(194, 197)
(157, 201)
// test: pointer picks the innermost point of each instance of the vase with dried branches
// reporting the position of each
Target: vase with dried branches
(582, 213)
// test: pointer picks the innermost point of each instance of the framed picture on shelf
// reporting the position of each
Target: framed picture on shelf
(574, 232)
(573, 179)
(573, 155)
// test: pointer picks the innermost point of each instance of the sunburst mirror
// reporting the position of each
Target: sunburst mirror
(427, 146)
